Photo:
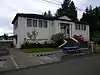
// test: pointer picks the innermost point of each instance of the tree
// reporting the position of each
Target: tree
(49, 13)
(32, 36)
(67, 8)
(92, 17)
(5, 37)
(57, 37)
(45, 14)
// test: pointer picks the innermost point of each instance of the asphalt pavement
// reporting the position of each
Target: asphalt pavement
(85, 65)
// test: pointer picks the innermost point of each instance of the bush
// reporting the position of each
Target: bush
(27, 45)
(12, 45)
(32, 45)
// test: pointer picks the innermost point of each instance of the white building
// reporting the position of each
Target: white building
(46, 27)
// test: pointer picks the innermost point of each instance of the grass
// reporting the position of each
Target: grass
(37, 50)
(98, 45)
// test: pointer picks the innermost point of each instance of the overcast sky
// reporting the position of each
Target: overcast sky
(9, 8)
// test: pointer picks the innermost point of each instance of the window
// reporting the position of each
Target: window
(29, 22)
(63, 28)
(16, 25)
(68, 31)
(34, 23)
(84, 27)
(40, 23)
(45, 24)
(76, 27)
(79, 26)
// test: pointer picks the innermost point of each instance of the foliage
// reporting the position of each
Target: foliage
(57, 37)
(5, 37)
(45, 14)
(57, 40)
(32, 36)
(80, 38)
(30, 45)
(92, 17)
(49, 14)
(67, 8)
(27, 45)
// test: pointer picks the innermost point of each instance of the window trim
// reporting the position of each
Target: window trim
(31, 22)
(85, 27)
(45, 24)
(40, 23)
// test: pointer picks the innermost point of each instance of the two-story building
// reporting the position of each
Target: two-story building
(46, 27)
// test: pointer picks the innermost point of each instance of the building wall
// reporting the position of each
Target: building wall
(57, 26)
(45, 33)
(85, 33)
(65, 18)
(20, 31)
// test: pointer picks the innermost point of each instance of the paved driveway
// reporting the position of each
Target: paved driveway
(81, 66)
(4, 52)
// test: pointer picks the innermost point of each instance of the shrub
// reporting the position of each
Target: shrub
(12, 45)
(31, 45)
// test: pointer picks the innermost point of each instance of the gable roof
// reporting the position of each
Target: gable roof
(37, 16)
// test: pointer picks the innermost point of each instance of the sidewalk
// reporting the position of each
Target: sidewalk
(7, 64)
(22, 59)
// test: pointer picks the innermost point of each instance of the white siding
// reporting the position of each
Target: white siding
(46, 33)
(20, 32)
(65, 18)
(43, 33)
(85, 33)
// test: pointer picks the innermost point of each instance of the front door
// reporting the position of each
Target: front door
(65, 29)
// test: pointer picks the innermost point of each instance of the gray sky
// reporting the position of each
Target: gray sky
(9, 8)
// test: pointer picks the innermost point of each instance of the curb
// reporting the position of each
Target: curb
(35, 66)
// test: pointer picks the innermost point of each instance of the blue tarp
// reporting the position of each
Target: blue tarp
(70, 48)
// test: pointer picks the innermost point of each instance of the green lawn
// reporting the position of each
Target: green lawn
(37, 50)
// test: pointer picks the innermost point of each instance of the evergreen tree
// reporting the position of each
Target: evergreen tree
(49, 13)
(45, 14)
(92, 17)
(67, 8)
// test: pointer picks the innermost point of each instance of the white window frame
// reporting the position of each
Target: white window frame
(34, 22)
(45, 24)
(30, 22)
(40, 23)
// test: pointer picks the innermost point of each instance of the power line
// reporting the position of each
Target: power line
(60, 4)
(51, 2)
(58, 1)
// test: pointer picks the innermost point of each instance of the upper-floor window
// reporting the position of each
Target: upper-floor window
(76, 27)
(80, 27)
(34, 23)
(29, 22)
(16, 25)
(84, 27)
(40, 23)
(63, 29)
(45, 24)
